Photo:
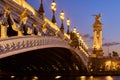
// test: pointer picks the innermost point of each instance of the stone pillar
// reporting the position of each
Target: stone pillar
(97, 37)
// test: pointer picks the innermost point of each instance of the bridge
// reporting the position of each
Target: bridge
(31, 44)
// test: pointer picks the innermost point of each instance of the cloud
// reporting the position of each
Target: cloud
(111, 44)
(91, 37)
(87, 36)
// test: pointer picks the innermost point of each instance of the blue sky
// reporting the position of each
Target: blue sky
(80, 13)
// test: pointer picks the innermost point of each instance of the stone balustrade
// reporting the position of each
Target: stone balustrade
(29, 43)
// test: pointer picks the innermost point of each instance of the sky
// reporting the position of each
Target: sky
(81, 14)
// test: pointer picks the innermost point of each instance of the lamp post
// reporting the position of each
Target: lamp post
(68, 25)
(62, 16)
(53, 8)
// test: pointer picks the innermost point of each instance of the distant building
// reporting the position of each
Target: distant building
(105, 65)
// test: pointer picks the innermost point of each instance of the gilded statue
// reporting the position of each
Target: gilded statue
(19, 26)
(23, 17)
(97, 17)
(4, 23)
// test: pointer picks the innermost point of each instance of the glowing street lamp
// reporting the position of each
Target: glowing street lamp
(62, 17)
(53, 8)
(74, 30)
(68, 25)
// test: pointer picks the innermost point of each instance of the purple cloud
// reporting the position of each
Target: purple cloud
(91, 37)
(87, 36)
(111, 44)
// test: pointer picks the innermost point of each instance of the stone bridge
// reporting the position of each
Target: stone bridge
(31, 44)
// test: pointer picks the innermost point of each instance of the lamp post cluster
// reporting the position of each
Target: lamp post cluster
(74, 35)
(62, 18)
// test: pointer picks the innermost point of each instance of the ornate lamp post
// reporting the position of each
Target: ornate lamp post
(53, 8)
(62, 17)
(68, 25)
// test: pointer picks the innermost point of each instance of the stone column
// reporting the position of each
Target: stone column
(97, 36)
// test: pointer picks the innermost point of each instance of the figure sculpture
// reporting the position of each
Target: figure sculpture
(97, 43)
(4, 23)
(19, 26)
(97, 17)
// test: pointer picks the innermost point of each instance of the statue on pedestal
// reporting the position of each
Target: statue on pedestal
(97, 36)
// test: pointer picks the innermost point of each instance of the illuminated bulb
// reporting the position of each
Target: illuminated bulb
(57, 77)
(74, 30)
(62, 15)
(68, 22)
(12, 76)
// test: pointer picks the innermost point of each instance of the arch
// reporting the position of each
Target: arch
(18, 45)
(47, 61)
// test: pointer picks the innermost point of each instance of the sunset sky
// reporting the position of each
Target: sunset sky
(81, 14)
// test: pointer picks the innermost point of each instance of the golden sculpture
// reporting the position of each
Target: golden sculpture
(23, 17)
(29, 30)
(44, 28)
(97, 17)
(18, 27)
(97, 37)
(3, 23)
(36, 29)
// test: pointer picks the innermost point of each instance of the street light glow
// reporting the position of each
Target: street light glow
(57, 77)
(62, 15)
(68, 22)
(53, 6)
(74, 30)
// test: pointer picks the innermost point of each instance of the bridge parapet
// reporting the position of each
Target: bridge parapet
(14, 45)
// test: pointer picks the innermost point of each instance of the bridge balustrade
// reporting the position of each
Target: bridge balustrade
(27, 43)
